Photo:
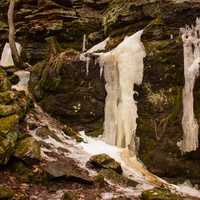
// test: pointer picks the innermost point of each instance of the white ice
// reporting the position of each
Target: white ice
(123, 68)
(6, 57)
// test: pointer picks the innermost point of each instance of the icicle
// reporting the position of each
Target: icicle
(84, 43)
(191, 47)
(98, 47)
(6, 57)
(123, 67)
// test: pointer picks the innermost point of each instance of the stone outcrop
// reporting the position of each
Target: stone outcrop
(13, 108)
(63, 89)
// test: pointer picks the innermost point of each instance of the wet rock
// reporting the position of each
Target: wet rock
(69, 169)
(6, 192)
(28, 149)
(159, 194)
(116, 178)
(104, 161)
(73, 134)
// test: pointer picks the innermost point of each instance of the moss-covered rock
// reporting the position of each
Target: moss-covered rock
(6, 192)
(28, 149)
(4, 82)
(159, 194)
(8, 124)
(7, 147)
(73, 134)
(7, 97)
(6, 110)
(66, 92)
(104, 161)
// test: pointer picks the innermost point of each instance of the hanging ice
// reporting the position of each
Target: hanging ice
(191, 46)
(6, 57)
(123, 67)
(98, 47)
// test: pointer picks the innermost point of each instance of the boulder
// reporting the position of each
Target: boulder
(67, 168)
(28, 150)
(64, 90)
(7, 97)
(159, 194)
(116, 178)
(71, 133)
(8, 124)
(7, 147)
(103, 161)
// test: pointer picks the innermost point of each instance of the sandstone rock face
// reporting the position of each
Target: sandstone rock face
(63, 89)
(66, 92)
(160, 100)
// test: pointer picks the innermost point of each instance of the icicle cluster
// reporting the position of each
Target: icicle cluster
(191, 46)
(6, 57)
(123, 67)
(86, 55)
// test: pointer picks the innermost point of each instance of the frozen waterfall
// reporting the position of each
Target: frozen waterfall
(191, 46)
(123, 67)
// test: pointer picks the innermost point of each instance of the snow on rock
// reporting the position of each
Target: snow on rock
(24, 77)
(98, 47)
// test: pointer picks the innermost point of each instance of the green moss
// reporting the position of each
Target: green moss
(23, 173)
(6, 110)
(28, 149)
(73, 134)
(8, 124)
(7, 147)
(3, 26)
(113, 42)
(7, 97)
(99, 179)
(6, 192)
(105, 161)
(159, 194)
(68, 196)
